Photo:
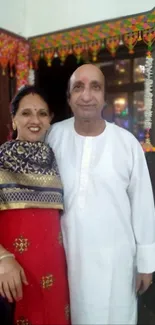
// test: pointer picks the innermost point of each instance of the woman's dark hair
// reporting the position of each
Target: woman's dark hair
(24, 91)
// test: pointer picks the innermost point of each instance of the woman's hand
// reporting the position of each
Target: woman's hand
(12, 278)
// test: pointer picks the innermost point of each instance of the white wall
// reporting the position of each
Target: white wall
(34, 17)
(12, 16)
(43, 16)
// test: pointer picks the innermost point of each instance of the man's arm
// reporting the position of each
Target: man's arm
(143, 217)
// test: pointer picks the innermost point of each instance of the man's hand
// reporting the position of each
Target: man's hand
(143, 281)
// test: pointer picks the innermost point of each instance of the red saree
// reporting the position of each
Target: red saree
(34, 236)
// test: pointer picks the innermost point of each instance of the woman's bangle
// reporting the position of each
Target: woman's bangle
(6, 255)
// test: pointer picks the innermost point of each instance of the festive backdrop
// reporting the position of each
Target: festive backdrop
(127, 31)
(25, 55)
(14, 51)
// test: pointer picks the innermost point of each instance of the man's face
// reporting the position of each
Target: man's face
(87, 92)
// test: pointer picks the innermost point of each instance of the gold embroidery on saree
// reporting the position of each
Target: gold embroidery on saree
(21, 244)
(47, 281)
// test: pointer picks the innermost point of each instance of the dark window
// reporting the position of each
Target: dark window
(125, 93)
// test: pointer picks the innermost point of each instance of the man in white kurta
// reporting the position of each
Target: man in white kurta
(109, 221)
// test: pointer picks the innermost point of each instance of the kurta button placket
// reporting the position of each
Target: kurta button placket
(87, 149)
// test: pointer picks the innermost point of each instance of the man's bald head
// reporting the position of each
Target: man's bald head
(85, 71)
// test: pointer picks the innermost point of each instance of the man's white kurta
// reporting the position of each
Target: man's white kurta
(109, 221)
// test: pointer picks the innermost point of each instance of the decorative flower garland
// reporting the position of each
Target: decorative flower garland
(31, 77)
(148, 102)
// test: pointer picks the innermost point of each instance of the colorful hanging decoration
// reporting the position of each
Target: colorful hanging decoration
(149, 38)
(130, 40)
(113, 34)
(78, 51)
(4, 60)
(14, 51)
(112, 44)
(95, 48)
(49, 54)
(8, 50)
(12, 62)
(63, 53)
(102, 31)
(22, 65)
(35, 59)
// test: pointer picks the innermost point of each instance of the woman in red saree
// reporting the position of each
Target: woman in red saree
(32, 262)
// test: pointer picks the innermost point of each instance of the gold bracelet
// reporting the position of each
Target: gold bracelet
(6, 255)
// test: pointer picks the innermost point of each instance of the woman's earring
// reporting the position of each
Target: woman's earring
(14, 126)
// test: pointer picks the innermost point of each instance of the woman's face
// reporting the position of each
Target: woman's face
(32, 119)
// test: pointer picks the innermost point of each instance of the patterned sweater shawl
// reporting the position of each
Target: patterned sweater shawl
(29, 176)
